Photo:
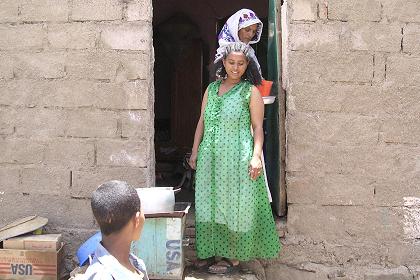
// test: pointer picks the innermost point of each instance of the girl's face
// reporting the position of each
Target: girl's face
(235, 64)
(247, 33)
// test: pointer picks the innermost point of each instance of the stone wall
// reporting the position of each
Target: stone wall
(76, 109)
(76, 106)
(353, 140)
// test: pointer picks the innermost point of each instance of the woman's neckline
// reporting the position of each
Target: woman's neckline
(228, 91)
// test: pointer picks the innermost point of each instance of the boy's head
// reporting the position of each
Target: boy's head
(115, 204)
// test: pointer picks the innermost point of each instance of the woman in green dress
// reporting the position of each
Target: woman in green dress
(234, 221)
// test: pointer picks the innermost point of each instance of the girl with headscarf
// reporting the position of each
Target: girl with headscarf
(243, 26)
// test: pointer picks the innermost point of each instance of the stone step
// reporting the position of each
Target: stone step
(190, 274)
(281, 226)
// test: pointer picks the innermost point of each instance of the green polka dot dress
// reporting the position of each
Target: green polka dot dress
(233, 214)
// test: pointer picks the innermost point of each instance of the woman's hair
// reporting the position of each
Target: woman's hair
(252, 74)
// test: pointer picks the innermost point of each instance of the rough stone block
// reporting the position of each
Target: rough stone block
(127, 36)
(394, 192)
(403, 101)
(44, 180)
(83, 10)
(70, 153)
(136, 124)
(330, 189)
(307, 271)
(323, 10)
(7, 123)
(139, 10)
(373, 255)
(92, 65)
(134, 95)
(399, 66)
(303, 10)
(6, 66)
(134, 67)
(399, 273)
(292, 273)
(402, 10)
(21, 37)
(363, 256)
(9, 180)
(68, 94)
(108, 66)
(410, 217)
(40, 123)
(315, 36)
(411, 41)
(360, 10)
(359, 99)
(81, 217)
(375, 37)
(73, 238)
(312, 97)
(345, 224)
(415, 269)
(299, 250)
(86, 181)
(122, 153)
(380, 161)
(72, 36)
(56, 208)
(39, 65)
(44, 10)
(401, 130)
(341, 67)
(379, 62)
(94, 124)
(27, 93)
(9, 10)
(332, 128)
(21, 151)
(127, 95)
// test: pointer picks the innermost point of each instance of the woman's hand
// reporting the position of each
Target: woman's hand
(255, 167)
(193, 160)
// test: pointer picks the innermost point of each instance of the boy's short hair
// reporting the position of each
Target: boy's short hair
(113, 204)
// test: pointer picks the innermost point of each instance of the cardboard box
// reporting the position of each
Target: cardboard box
(30, 264)
(47, 242)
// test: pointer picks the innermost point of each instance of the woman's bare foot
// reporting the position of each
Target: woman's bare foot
(224, 266)
(204, 263)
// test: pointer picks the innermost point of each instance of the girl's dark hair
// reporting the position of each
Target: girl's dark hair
(252, 73)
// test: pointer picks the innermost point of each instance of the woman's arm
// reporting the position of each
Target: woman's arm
(256, 108)
(198, 133)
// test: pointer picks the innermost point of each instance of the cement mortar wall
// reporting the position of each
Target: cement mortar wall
(353, 149)
(76, 107)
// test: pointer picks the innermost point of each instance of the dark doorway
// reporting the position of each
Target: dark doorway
(185, 41)
(178, 91)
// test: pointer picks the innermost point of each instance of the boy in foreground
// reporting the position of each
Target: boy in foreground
(116, 207)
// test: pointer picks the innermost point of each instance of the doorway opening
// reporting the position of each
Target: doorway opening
(185, 41)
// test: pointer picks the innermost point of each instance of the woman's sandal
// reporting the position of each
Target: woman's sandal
(204, 264)
(223, 267)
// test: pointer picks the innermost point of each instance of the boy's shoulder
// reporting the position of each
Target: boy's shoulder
(97, 271)
(137, 262)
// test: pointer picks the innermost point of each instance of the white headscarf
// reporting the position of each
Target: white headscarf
(229, 33)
